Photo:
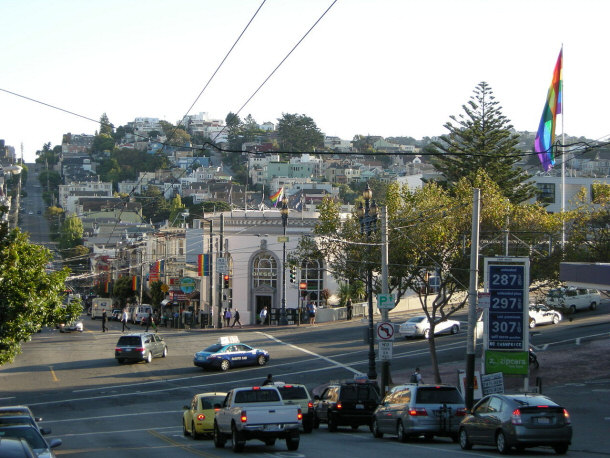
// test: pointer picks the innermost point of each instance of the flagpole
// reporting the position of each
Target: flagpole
(563, 161)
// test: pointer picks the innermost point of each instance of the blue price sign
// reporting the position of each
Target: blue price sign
(506, 301)
(506, 307)
(506, 277)
(505, 330)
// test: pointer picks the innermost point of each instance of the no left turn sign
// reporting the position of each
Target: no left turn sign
(385, 331)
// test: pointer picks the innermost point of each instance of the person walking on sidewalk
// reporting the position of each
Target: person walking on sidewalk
(348, 306)
(104, 320)
(236, 319)
(227, 317)
(263, 316)
(124, 319)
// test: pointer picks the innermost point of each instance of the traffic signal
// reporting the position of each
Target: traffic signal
(225, 282)
(293, 274)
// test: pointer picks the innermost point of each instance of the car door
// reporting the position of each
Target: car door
(323, 404)
(399, 408)
(383, 413)
(475, 425)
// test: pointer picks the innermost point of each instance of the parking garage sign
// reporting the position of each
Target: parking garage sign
(507, 306)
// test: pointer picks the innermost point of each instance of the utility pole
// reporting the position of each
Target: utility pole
(472, 298)
(385, 364)
(220, 274)
(141, 272)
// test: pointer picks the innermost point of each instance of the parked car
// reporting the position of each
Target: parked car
(21, 414)
(516, 420)
(198, 417)
(349, 403)
(140, 347)
(16, 447)
(541, 314)
(413, 410)
(420, 326)
(229, 352)
(293, 393)
(30, 433)
(70, 327)
(571, 299)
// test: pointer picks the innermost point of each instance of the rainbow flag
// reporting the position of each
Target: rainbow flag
(135, 283)
(546, 130)
(275, 198)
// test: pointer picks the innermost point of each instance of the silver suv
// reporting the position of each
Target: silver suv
(413, 410)
(140, 347)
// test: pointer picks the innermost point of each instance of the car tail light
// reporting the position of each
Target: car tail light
(287, 386)
(299, 415)
(140, 349)
(515, 419)
(461, 412)
(338, 405)
(118, 349)
(566, 417)
(243, 417)
(310, 405)
(201, 417)
(418, 412)
(216, 409)
(256, 387)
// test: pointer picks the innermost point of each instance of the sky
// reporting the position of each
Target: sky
(382, 67)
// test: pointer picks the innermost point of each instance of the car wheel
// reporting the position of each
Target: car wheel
(572, 309)
(225, 365)
(427, 334)
(401, 434)
(593, 306)
(238, 443)
(532, 323)
(149, 357)
(194, 432)
(332, 424)
(219, 440)
(561, 449)
(464, 442)
(308, 427)
(120, 360)
(555, 319)
(184, 431)
(164, 354)
(455, 329)
(501, 445)
(375, 429)
(261, 360)
(428, 436)
(316, 422)
(292, 442)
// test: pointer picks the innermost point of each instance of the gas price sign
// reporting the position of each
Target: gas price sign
(506, 308)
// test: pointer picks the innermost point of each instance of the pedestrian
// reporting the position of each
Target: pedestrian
(236, 319)
(416, 377)
(227, 317)
(124, 319)
(104, 320)
(263, 315)
(311, 311)
(348, 305)
(268, 380)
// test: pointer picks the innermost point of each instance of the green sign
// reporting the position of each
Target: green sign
(507, 362)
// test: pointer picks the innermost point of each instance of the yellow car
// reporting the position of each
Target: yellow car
(198, 417)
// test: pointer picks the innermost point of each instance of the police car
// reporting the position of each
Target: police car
(229, 352)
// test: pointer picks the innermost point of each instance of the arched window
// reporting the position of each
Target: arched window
(312, 273)
(264, 270)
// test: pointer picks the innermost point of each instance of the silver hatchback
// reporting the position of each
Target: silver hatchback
(413, 410)
(140, 347)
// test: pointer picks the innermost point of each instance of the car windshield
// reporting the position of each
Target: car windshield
(292, 392)
(129, 340)
(359, 393)
(438, 395)
(416, 319)
(213, 348)
(29, 433)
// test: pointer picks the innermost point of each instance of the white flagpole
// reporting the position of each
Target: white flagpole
(563, 161)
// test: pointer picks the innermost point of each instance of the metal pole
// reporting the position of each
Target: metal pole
(284, 213)
(220, 284)
(385, 364)
(472, 298)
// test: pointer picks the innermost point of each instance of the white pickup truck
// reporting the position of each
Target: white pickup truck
(256, 413)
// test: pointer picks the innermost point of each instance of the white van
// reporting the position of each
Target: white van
(98, 304)
(140, 312)
(571, 299)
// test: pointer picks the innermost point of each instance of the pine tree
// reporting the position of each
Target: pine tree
(482, 138)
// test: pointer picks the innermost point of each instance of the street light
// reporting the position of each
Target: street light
(368, 222)
(284, 212)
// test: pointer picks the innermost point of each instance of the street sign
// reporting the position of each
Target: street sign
(283, 239)
(385, 350)
(484, 300)
(187, 285)
(507, 362)
(385, 331)
(385, 301)
(506, 307)
(164, 288)
(221, 266)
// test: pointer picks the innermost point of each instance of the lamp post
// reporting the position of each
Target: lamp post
(368, 222)
(284, 212)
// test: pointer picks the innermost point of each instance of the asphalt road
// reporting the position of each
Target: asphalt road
(100, 408)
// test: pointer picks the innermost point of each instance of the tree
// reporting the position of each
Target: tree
(175, 136)
(156, 293)
(299, 133)
(123, 291)
(106, 128)
(154, 205)
(176, 209)
(30, 296)
(482, 138)
(71, 233)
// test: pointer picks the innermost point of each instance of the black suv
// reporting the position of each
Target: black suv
(350, 403)
(140, 347)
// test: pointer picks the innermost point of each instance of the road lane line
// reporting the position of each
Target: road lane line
(184, 447)
(55, 379)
